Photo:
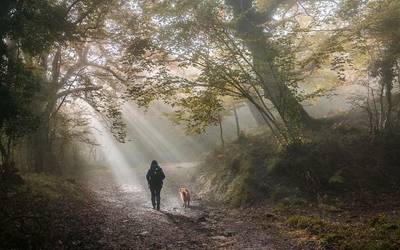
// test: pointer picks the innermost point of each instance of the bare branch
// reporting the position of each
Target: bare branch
(108, 69)
(76, 90)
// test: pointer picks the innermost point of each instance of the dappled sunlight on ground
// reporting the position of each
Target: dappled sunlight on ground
(119, 184)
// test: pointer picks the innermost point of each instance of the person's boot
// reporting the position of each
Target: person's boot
(158, 200)
(153, 201)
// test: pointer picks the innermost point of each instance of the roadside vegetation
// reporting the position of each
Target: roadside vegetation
(49, 212)
(335, 190)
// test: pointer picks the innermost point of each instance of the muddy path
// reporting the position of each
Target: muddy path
(131, 222)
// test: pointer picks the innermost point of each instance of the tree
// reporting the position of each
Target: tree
(380, 25)
(73, 53)
(361, 41)
(68, 71)
(249, 26)
(202, 37)
(18, 86)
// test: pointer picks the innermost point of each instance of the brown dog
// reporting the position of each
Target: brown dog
(185, 196)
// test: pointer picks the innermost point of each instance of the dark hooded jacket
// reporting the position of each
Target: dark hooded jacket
(155, 176)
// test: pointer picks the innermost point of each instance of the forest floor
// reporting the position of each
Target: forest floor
(53, 213)
(360, 221)
(129, 221)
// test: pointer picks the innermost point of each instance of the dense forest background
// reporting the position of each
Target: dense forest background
(283, 100)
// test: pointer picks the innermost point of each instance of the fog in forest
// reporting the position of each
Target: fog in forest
(200, 124)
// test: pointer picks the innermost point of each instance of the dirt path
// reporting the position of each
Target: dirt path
(131, 223)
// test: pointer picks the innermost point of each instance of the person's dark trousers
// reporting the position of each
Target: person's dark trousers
(155, 197)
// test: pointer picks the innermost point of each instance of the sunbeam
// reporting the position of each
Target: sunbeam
(114, 159)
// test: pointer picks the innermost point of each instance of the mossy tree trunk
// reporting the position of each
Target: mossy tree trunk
(248, 27)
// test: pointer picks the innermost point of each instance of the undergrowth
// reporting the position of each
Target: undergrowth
(42, 213)
(331, 162)
(378, 233)
(334, 190)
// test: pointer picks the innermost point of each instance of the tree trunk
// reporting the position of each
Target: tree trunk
(236, 121)
(256, 114)
(250, 31)
(387, 83)
(221, 134)
(42, 140)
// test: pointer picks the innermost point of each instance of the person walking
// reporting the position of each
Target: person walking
(155, 177)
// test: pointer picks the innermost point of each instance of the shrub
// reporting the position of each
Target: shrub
(329, 162)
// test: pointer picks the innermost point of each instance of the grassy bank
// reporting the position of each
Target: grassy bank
(380, 232)
(334, 163)
(335, 190)
(370, 221)
(47, 212)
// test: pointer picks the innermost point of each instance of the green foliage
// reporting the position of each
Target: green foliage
(377, 234)
(326, 163)
(198, 111)
(116, 124)
(38, 24)
(236, 174)
(311, 224)
(337, 178)
(228, 181)
(52, 188)
(45, 63)
(311, 164)
(17, 89)
(207, 40)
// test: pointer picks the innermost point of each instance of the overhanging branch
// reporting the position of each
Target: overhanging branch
(76, 90)
(108, 69)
